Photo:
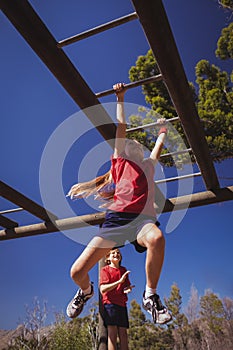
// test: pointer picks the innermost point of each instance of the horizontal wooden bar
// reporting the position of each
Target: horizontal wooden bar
(58, 225)
(175, 178)
(190, 201)
(97, 30)
(202, 198)
(8, 211)
(176, 153)
(151, 125)
(7, 223)
(132, 85)
(18, 198)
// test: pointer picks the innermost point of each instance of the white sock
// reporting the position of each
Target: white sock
(87, 291)
(149, 291)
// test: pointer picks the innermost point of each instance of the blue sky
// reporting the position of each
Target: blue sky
(33, 106)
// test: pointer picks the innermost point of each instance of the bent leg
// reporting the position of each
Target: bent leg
(123, 336)
(112, 337)
(152, 238)
(95, 250)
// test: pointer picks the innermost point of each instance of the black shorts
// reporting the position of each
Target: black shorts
(121, 227)
(115, 315)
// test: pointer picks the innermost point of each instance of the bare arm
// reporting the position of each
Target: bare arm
(121, 126)
(156, 152)
(110, 286)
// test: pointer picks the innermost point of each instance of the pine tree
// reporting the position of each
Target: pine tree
(212, 311)
(213, 97)
(143, 334)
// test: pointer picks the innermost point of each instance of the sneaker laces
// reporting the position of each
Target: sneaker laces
(78, 299)
(157, 302)
(160, 306)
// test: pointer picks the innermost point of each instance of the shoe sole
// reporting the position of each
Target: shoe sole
(76, 311)
(154, 316)
(166, 321)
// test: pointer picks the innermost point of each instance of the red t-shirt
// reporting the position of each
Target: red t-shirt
(116, 296)
(134, 192)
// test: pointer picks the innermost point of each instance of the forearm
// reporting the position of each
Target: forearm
(159, 145)
(120, 110)
(121, 125)
(104, 288)
(156, 152)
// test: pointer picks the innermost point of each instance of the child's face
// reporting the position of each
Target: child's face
(134, 150)
(115, 256)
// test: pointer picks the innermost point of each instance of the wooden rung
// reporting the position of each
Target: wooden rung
(182, 177)
(132, 85)
(8, 211)
(176, 153)
(151, 125)
(97, 30)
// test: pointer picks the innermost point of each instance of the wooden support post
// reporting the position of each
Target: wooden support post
(103, 334)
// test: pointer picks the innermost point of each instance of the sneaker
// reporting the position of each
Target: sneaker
(157, 310)
(75, 307)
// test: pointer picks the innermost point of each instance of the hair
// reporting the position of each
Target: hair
(102, 187)
(107, 261)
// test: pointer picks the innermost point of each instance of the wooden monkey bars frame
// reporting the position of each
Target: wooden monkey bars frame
(152, 17)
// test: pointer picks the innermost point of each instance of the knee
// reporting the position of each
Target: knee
(76, 273)
(156, 240)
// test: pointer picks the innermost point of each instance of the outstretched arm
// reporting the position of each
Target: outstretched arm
(110, 286)
(155, 154)
(121, 126)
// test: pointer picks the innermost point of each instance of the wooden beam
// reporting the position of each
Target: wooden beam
(7, 223)
(201, 198)
(188, 201)
(18, 198)
(154, 21)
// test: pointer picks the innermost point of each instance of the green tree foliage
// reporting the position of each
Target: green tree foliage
(143, 334)
(148, 138)
(213, 98)
(156, 94)
(212, 329)
(181, 330)
(212, 311)
(216, 329)
(73, 335)
(227, 4)
(215, 108)
(174, 303)
(225, 43)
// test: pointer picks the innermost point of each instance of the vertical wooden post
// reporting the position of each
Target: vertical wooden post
(103, 336)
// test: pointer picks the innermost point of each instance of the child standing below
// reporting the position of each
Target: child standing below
(130, 216)
(114, 286)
